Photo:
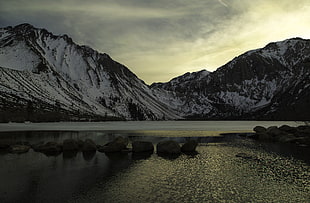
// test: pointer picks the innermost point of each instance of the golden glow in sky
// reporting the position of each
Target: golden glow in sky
(159, 40)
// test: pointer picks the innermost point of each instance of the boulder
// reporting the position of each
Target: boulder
(37, 147)
(50, 148)
(274, 131)
(89, 145)
(117, 145)
(261, 133)
(121, 140)
(288, 129)
(260, 129)
(80, 143)
(19, 149)
(141, 146)
(70, 145)
(168, 147)
(189, 146)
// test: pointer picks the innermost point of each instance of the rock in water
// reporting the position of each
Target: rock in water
(141, 146)
(89, 145)
(70, 145)
(117, 145)
(274, 131)
(288, 129)
(168, 147)
(189, 146)
(50, 148)
(260, 129)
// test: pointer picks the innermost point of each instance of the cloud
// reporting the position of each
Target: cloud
(162, 39)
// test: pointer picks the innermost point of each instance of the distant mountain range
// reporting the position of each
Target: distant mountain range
(44, 77)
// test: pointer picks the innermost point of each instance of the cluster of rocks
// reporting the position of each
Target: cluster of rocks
(119, 144)
(286, 134)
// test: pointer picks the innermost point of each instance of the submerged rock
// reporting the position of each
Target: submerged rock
(142, 146)
(168, 147)
(189, 146)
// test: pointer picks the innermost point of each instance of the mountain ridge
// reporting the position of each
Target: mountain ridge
(249, 82)
(49, 77)
(75, 76)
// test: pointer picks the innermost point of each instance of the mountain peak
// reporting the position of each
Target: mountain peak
(24, 26)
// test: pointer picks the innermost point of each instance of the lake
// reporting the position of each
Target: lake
(271, 173)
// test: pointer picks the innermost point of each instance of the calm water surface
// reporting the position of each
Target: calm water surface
(274, 173)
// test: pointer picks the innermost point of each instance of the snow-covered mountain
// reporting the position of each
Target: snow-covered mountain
(268, 83)
(44, 77)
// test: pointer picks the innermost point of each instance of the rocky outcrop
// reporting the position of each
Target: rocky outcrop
(286, 134)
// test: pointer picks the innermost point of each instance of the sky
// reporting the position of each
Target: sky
(160, 39)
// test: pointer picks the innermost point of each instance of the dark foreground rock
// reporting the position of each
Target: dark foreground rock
(189, 146)
(117, 145)
(168, 147)
(141, 146)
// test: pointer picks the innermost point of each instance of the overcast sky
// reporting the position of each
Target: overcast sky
(162, 39)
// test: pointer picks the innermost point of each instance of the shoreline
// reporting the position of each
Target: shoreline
(145, 125)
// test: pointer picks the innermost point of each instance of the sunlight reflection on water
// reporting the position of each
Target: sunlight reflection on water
(214, 175)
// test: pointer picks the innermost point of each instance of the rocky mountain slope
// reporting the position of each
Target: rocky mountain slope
(268, 83)
(44, 77)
